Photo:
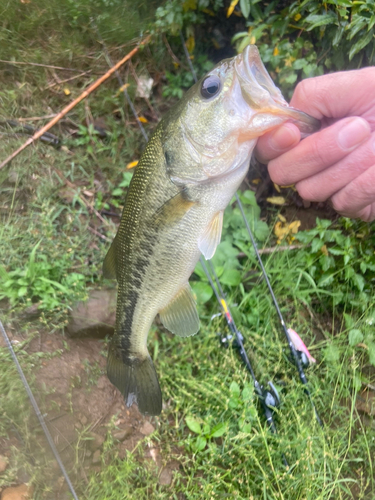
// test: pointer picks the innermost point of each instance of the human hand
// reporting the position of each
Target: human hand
(338, 162)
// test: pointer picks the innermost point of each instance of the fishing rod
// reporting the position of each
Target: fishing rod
(298, 357)
(38, 412)
(268, 396)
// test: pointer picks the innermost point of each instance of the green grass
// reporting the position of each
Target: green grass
(45, 234)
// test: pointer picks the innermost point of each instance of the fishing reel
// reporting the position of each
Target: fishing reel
(304, 360)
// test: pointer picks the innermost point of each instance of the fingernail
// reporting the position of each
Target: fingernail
(353, 133)
(283, 138)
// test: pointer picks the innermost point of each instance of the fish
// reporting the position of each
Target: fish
(189, 171)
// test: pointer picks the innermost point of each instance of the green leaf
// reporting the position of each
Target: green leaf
(193, 425)
(219, 429)
(316, 20)
(332, 354)
(203, 291)
(231, 277)
(355, 337)
(200, 443)
(234, 388)
(22, 291)
(117, 192)
(361, 44)
(245, 8)
(359, 281)
(371, 353)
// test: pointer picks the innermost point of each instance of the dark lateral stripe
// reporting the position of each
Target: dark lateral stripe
(133, 289)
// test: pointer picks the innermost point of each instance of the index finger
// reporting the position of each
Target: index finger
(337, 95)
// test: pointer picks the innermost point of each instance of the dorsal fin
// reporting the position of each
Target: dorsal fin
(109, 264)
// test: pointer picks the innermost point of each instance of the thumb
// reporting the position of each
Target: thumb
(277, 142)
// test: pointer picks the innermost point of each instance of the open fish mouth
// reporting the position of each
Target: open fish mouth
(263, 96)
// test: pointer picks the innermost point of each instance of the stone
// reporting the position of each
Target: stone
(123, 434)
(94, 318)
(96, 459)
(3, 463)
(165, 477)
(96, 441)
(21, 492)
(147, 429)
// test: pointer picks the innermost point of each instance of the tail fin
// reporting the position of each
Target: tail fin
(138, 382)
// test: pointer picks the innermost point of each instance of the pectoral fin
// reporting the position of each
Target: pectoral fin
(174, 209)
(109, 264)
(208, 242)
(181, 316)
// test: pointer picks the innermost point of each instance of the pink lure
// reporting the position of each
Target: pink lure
(299, 345)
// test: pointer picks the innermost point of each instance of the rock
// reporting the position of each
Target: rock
(95, 317)
(3, 463)
(96, 459)
(123, 434)
(22, 492)
(83, 420)
(147, 429)
(96, 441)
(165, 477)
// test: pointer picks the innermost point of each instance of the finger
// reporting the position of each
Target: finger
(278, 141)
(337, 95)
(354, 198)
(319, 151)
(326, 183)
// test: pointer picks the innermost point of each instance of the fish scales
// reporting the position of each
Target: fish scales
(187, 175)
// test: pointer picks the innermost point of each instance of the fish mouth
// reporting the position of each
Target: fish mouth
(262, 95)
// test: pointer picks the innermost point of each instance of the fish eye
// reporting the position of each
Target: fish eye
(211, 86)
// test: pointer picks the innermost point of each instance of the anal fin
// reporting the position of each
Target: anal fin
(210, 239)
(180, 316)
(136, 380)
(109, 264)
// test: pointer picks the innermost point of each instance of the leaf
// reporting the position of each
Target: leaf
(359, 281)
(219, 429)
(231, 7)
(316, 20)
(193, 425)
(231, 277)
(355, 337)
(200, 443)
(361, 44)
(276, 200)
(245, 8)
(332, 354)
(22, 291)
(203, 291)
(234, 388)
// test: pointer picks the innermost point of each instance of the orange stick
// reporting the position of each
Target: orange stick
(74, 103)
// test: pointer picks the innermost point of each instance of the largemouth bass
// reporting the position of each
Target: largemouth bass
(193, 164)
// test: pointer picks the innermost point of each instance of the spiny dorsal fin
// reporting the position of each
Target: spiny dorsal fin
(109, 264)
(181, 316)
(209, 241)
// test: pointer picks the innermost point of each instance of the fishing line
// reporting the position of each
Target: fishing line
(293, 350)
(38, 412)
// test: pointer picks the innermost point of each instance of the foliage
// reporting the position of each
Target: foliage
(296, 40)
(339, 258)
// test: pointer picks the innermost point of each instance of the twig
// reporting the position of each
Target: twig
(67, 79)
(171, 53)
(94, 231)
(41, 65)
(144, 97)
(276, 248)
(36, 118)
(74, 103)
(86, 203)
